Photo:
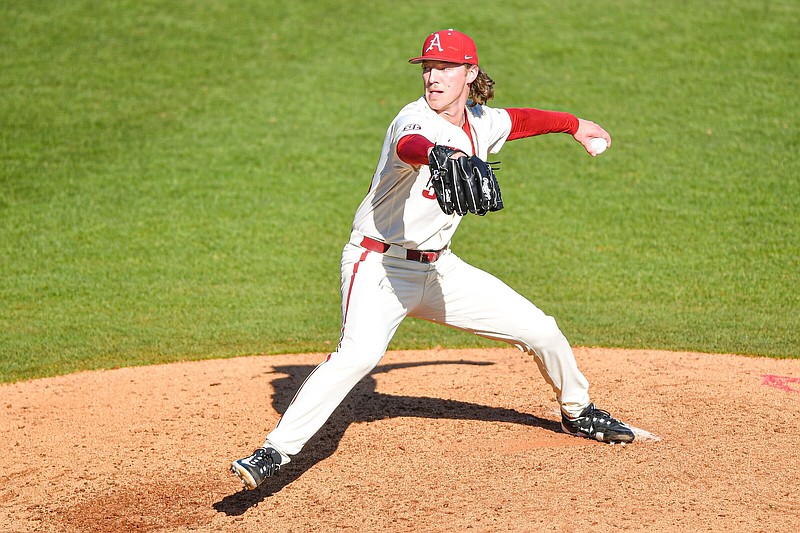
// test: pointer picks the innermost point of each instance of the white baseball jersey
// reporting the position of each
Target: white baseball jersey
(400, 207)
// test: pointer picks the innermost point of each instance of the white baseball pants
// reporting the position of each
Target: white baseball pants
(379, 291)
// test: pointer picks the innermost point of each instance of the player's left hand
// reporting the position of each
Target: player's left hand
(588, 130)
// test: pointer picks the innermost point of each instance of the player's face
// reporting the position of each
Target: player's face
(446, 84)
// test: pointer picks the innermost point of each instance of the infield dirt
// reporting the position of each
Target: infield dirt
(431, 441)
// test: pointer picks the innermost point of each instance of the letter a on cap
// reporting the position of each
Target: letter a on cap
(434, 42)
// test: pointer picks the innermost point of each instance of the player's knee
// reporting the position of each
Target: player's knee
(358, 358)
(363, 365)
(545, 336)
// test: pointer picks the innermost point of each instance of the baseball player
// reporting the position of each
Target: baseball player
(398, 261)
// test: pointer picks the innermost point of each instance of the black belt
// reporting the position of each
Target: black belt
(412, 255)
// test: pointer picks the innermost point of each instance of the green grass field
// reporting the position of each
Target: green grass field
(177, 179)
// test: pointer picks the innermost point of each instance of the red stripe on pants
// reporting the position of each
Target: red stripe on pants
(350, 292)
(344, 321)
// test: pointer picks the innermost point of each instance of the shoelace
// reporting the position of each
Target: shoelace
(264, 462)
(258, 459)
(598, 416)
(602, 416)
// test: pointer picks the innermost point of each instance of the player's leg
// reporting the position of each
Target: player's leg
(376, 293)
(468, 298)
(374, 302)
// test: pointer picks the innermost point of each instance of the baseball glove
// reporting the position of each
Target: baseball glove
(466, 184)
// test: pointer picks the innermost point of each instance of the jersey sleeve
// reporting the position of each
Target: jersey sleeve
(527, 122)
(413, 149)
(492, 124)
(409, 131)
(411, 124)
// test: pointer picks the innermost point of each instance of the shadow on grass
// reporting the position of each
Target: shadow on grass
(364, 404)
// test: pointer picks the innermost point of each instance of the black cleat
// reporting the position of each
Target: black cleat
(594, 423)
(253, 470)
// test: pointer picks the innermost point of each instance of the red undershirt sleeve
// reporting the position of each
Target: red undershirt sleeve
(413, 149)
(527, 122)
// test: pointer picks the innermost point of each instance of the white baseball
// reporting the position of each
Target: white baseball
(599, 145)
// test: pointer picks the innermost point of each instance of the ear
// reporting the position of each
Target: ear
(472, 73)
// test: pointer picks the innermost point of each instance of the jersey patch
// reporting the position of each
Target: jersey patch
(410, 127)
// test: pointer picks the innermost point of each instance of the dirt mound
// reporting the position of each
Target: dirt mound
(442, 440)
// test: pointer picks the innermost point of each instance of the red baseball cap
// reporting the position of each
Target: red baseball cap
(448, 45)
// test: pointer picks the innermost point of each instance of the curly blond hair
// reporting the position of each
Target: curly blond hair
(482, 89)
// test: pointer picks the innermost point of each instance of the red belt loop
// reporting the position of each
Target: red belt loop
(374, 246)
(412, 255)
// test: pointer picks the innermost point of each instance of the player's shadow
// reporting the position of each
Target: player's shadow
(364, 404)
